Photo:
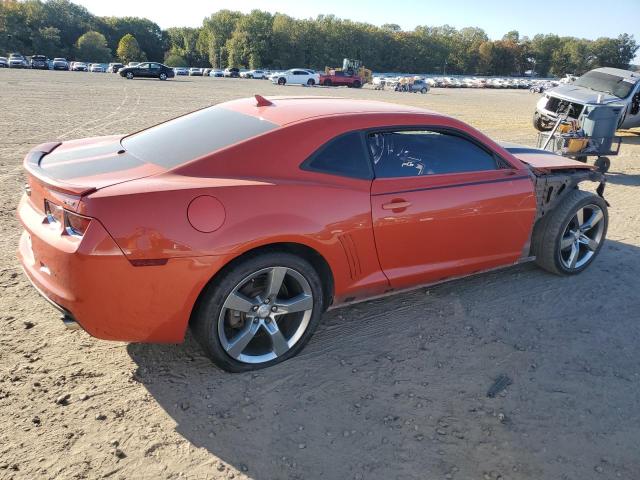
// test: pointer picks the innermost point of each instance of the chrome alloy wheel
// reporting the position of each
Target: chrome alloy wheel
(265, 315)
(581, 237)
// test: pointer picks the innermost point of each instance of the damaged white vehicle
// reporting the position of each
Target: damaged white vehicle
(603, 86)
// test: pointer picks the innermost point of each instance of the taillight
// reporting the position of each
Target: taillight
(53, 212)
(75, 224)
(72, 223)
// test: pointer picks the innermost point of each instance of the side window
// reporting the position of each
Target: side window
(154, 66)
(344, 156)
(416, 153)
(299, 72)
(143, 65)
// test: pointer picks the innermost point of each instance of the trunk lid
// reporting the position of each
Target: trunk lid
(79, 167)
(542, 159)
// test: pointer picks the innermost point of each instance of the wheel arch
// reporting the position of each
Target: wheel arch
(313, 256)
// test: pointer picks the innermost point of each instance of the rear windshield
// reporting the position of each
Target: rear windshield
(194, 135)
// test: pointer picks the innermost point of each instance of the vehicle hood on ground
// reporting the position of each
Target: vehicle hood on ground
(82, 166)
(582, 95)
(542, 159)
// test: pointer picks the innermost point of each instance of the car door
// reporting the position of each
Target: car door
(444, 205)
(632, 116)
(300, 77)
(142, 70)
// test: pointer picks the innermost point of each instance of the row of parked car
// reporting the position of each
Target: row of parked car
(459, 82)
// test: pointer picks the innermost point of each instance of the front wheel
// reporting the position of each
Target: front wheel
(423, 90)
(260, 312)
(130, 75)
(327, 83)
(540, 123)
(282, 81)
(567, 240)
(163, 76)
(357, 84)
(311, 82)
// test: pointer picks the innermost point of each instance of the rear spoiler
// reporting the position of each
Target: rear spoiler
(32, 166)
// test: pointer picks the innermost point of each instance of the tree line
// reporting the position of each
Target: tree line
(60, 28)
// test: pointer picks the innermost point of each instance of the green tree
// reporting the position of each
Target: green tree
(174, 60)
(92, 46)
(129, 50)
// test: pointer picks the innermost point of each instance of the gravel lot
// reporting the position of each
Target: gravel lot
(388, 389)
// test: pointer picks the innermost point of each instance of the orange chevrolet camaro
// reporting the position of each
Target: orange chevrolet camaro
(248, 219)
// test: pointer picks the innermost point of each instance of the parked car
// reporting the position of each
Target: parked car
(60, 64)
(340, 78)
(216, 72)
(16, 60)
(132, 64)
(602, 85)
(154, 233)
(147, 70)
(232, 72)
(114, 67)
(79, 67)
(195, 72)
(415, 85)
(296, 76)
(260, 74)
(4, 63)
(181, 71)
(96, 68)
(39, 62)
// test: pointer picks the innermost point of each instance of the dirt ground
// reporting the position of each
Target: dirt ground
(388, 389)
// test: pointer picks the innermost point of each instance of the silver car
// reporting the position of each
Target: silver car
(599, 86)
(17, 61)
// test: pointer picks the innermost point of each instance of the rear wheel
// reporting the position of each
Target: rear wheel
(282, 81)
(603, 164)
(570, 238)
(327, 83)
(260, 312)
(423, 90)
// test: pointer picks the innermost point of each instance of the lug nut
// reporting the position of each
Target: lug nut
(274, 308)
(267, 320)
(267, 300)
(255, 308)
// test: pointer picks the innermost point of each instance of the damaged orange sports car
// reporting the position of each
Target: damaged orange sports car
(248, 219)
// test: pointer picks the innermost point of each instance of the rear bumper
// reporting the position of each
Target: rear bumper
(91, 282)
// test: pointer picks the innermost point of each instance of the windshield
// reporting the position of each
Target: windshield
(194, 135)
(607, 83)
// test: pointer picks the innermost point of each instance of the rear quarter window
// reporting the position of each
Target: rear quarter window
(194, 135)
(344, 156)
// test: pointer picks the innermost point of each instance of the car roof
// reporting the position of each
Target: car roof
(291, 109)
(617, 71)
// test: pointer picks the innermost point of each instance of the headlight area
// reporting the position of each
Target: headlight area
(69, 223)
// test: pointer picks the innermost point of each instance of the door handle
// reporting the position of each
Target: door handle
(396, 205)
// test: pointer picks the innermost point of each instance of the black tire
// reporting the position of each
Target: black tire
(163, 76)
(204, 321)
(130, 75)
(282, 81)
(311, 82)
(423, 90)
(327, 82)
(603, 164)
(540, 124)
(545, 241)
(357, 84)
